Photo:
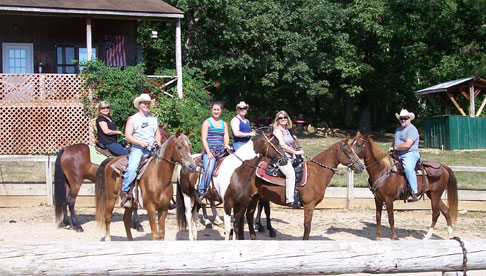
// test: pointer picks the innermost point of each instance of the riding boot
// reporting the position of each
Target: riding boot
(126, 200)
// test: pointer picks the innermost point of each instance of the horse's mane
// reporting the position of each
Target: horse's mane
(161, 151)
(379, 154)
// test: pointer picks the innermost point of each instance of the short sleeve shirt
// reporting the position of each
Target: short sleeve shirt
(402, 134)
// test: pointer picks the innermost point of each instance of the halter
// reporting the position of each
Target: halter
(351, 163)
(376, 184)
(377, 161)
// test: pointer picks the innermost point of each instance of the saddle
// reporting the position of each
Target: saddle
(270, 172)
(211, 193)
(99, 147)
(423, 169)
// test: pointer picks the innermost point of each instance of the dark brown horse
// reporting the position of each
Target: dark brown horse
(243, 197)
(264, 145)
(386, 185)
(72, 167)
(155, 186)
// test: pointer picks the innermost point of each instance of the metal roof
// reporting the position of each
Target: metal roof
(442, 87)
(97, 8)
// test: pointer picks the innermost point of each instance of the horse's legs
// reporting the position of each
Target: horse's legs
(391, 220)
(266, 206)
(435, 203)
(206, 220)
(110, 205)
(379, 208)
(162, 214)
(227, 227)
(216, 219)
(190, 217)
(258, 217)
(151, 218)
(239, 225)
(76, 226)
(250, 212)
(308, 212)
(445, 211)
(136, 220)
(127, 221)
(65, 220)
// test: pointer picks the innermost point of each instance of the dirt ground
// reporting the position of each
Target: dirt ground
(30, 225)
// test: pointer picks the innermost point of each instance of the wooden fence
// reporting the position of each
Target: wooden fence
(241, 257)
(350, 197)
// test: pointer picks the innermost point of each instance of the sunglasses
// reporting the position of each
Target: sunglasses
(281, 118)
(105, 107)
(404, 119)
(244, 108)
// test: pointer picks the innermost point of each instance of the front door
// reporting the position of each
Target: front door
(18, 58)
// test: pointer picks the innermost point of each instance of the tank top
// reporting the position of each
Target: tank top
(215, 135)
(144, 128)
(289, 140)
(245, 128)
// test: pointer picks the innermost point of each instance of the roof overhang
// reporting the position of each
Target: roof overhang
(452, 85)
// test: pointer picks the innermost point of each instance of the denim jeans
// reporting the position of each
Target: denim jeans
(237, 145)
(136, 154)
(117, 149)
(206, 175)
(409, 160)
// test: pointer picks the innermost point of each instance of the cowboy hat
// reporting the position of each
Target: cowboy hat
(142, 98)
(242, 104)
(405, 113)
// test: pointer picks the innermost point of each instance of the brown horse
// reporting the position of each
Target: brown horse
(242, 196)
(264, 145)
(72, 167)
(386, 185)
(155, 186)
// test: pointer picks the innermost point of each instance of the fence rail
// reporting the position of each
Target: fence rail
(347, 197)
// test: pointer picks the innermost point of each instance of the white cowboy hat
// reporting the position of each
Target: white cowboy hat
(242, 104)
(142, 98)
(405, 113)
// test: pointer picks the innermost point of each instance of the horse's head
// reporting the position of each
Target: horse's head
(179, 151)
(267, 144)
(348, 157)
(360, 145)
(366, 148)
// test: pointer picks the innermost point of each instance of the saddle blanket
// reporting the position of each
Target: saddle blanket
(280, 181)
(96, 157)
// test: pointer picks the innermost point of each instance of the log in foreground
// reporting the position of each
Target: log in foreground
(239, 257)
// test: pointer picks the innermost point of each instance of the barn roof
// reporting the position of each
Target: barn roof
(452, 85)
(143, 9)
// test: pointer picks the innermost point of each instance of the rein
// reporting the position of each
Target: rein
(323, 165)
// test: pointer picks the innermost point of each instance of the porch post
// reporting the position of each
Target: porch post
(472, 106)
(178, 58)
(88, 38)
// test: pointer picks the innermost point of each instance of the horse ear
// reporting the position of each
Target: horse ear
(165, 126)
(358, 133)
(178, 132)
(345, 140)
(186, 132)
(270, 130)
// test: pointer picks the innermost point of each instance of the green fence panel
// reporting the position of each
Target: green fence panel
(455, 132)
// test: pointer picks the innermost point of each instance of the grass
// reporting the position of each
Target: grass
(314, 145)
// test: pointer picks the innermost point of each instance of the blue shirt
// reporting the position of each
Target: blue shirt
(245, 128)
(402, 134)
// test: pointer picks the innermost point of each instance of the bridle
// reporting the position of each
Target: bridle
(348, 154)
(377, 161)
(376, 184)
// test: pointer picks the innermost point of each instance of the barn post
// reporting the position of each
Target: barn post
(88, 38)
(178, 58)
(472, 106)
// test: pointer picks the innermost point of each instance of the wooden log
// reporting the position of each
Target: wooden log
(455, 103)
(239, 257)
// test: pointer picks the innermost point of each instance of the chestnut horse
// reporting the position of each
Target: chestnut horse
(386, 184)
(72, 167)
(242, 196)
(155, 186)
(264, 145)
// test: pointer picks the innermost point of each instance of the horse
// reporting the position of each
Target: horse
(246, 189)
(263, 145)
(386, 184)
(155, 186)
(72, 167)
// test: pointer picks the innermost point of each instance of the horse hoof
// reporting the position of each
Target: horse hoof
(138, 227)
(260, 228)
(253, 237)
(79, 229)
(272, 234)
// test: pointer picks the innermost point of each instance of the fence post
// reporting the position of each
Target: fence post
(49, 181)
(350, 190)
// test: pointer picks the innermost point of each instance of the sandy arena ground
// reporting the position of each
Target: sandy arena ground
(30, 225)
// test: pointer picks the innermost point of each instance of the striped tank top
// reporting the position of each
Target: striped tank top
(215, 135)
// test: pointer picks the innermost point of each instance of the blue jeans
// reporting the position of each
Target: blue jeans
(237, 145)
(207, 173)
(409, 160)
(117, 149)
(136, 154)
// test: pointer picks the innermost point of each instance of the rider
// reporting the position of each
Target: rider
(240, 126)
(143, 133)
(406, 144)
(106, 129)
(282, 125)
(215, 139)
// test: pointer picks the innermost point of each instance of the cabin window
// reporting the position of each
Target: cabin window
(17, 58)
(68, 57)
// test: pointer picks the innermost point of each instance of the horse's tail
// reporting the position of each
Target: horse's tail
(452, 198)
(100, 192)
(59, 187)
(181, 207)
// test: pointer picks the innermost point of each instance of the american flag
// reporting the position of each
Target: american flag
(115, 50)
